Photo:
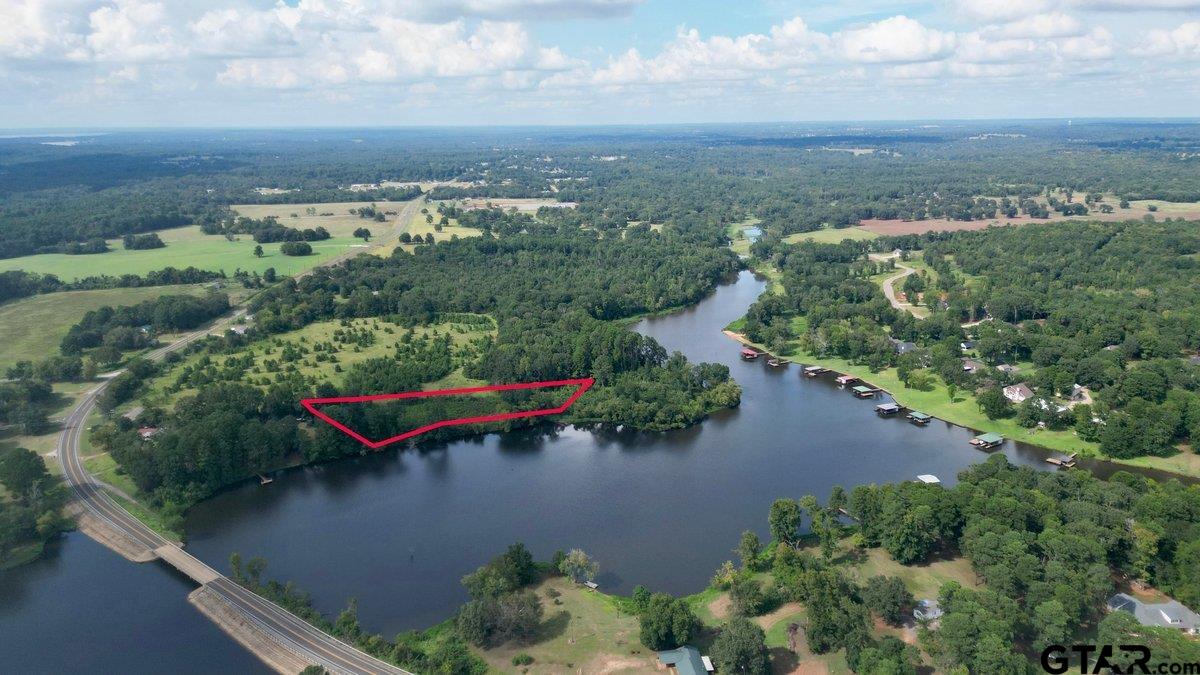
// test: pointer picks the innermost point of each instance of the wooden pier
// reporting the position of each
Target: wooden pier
(1064, 461)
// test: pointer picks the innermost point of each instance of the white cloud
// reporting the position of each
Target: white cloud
(35, 29)
(895, 40)
(1048, 25)
(1183, 42)
(1001, 10)
(1096, 45)
(132, 31)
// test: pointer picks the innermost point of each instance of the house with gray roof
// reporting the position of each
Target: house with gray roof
(1170, 614)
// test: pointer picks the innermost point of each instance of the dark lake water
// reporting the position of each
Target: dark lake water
(398, 529)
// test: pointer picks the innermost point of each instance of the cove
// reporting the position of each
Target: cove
(398, 529)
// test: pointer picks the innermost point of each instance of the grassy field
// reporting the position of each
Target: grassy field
(923, 581)
(31, 328)
(582, 631)
(741, 245)
(418, 227)
(383, 338)
(188, 246)
(831, 235)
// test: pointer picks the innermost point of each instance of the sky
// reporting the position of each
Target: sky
(222, 63)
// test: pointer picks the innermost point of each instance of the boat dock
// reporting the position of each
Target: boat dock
(918, 418)
(1064, 461)
(884, 409)
(749, 354)
(987, 441)
(844, 380)
(863, 391)
(813, 371)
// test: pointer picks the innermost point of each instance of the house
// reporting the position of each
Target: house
(927, 610)
(901, 346)
(966, 345)
(929, 479)
(1017, 392)
(1194, 360)
(1079, 394)
(1008, 369)
(1047, 406)
(973, 366)
(686, 660)
(239, 329)
(1170, 614)
(148, 432)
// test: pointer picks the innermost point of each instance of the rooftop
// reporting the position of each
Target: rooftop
(686, 659)
(989, 438)
(1170, 614)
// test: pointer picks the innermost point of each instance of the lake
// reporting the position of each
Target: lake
(398, 529)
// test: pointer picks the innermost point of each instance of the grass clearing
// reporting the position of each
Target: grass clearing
(581, 631)
(418, 226)
(831, 235)
(322, 351)
(924, 581)
(189, 247)
(31, 328)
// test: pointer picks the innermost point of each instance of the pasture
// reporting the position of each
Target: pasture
(31, 328)
(188, 246)
(1136, 211)
(831, 235)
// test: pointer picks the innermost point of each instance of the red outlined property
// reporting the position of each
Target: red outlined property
(582, 384)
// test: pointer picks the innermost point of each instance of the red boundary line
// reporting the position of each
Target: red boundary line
(582, 384)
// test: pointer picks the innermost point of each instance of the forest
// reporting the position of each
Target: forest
(1071, 300)
(129, 183)
(555, 298)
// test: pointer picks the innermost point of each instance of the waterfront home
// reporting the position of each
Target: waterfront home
(1170, 614)
(988, 440)
(1017, 393)
(686, 660)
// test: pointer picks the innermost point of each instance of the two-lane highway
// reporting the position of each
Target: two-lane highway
(290, 632)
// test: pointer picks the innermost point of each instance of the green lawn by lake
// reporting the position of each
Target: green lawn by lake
(186, 247)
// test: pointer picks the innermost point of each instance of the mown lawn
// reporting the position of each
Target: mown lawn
(31, 328)
(582, 631)
(830, 235)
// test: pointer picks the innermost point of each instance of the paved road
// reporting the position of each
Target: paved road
(293, 633)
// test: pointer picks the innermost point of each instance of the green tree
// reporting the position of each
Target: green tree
(784, 520)
(23, 473)
(749, 548)
(888, 597)
(578, 566)
(1051, 625)
(258, 251)
(741, 647)
(667, 622)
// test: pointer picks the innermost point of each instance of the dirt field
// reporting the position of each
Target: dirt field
(1136, 211)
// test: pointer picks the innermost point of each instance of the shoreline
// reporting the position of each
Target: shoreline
(836, 366)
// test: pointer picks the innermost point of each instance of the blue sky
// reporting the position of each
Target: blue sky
(99, 63)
